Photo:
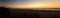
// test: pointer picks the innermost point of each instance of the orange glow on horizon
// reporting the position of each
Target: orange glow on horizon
(34, 7)
(36, 4)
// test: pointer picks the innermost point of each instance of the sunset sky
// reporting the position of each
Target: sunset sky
(34, 4)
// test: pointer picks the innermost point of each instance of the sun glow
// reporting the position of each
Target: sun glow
(36, 4)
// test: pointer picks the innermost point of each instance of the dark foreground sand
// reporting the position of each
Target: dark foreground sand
(25, 13)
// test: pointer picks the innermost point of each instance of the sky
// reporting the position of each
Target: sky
(33, 4)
